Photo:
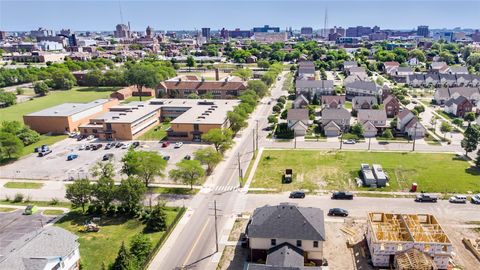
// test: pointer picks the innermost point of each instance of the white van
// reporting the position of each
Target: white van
(458, 199)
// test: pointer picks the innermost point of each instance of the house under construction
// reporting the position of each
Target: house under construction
(389, 234)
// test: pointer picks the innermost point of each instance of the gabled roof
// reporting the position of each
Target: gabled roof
(332, 126)
(364, 85)
(314, 84)
(285, 255)
(369, 126)
(300, 100)
(357, 70)
(438, 65)
(402, 114)
(331, 114)
(359, 100)
(412, 122)
(391, 64)
(458, 70)
(448, 77)
(389, 99)
(297, 114)
(372, 115)
(350, 63)
(404, 69)
(457, 101)
(287, 221)
(330, 99)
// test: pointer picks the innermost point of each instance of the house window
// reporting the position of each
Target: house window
(299, 243)
(195, 127)
(273, 242)
(315, 244)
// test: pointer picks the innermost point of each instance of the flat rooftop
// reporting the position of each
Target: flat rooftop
(69, 109)
(213, 111)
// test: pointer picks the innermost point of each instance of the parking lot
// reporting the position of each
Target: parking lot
(14, 225)
(55, 165)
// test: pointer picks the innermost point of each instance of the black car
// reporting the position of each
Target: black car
(342, 195)
(297, 194)
(338, 212)
(118, 145)
(108, 156)
(135, 144)
(424, 197)
(96, 146)
(187, 157)
(167, 158)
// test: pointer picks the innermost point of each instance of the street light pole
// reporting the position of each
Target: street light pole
(343, 131)
(414, 136)
(216, 228)
(253, 142)
(369, 139)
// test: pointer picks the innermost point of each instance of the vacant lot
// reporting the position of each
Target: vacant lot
(79, 94)
(102, 246)
(337, 170)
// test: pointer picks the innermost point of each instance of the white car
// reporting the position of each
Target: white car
(90, 137)
(126, 146)
(458, 199)
(178, 144)
(82, 147)
(349, 141)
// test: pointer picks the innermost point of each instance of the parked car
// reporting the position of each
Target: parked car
(72, 157)
(30, 209)
(73, 135)
(187, 157)
(109, 145)
(81, 137)
(44, 153)
(125, 146)
(107, 156)
(424, 197)
(458, 199)
(82, 147)
(165, 144)
(96, 146)
(351, 141)
(342, 195)
(338, 212)
(135, 144)
(178, 144)
(167, 158)
(475, 199)
(42, 148)
(90, 137)
(118, 144)
(297, 194)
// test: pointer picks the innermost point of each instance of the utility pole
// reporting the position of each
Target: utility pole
(257, 134)
(216, 228)
(369, 139)
(253, 142)
(294, 140)
(239, 169)
(414, 136)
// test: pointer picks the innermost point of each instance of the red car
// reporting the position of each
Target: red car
(165, 144)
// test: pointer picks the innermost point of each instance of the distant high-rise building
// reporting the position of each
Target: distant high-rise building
(3, 35)
(266, 28)
(224, 33)
(41, 32)
(306, 31)
(206, 33)
(423, 31)
(122, 31)
(149, 32)
(237, 33)
(65, 32)
(360, 31)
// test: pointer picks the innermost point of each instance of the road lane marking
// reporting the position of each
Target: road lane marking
(196, 243)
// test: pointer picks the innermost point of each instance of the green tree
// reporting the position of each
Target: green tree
(124, 260)
(387, 134)
(63, 79)
(144, 164)
(191, 62)
(220, 138)
(469, 117)
(130, 193)
(140, 248)
(237, 121)
(445, 127)
(41, 88)
(243, 73)
(103, 170)
(94, 78)
(262, 63)
(10, 145)
(471, 138)
(477, 161)
(259, 87)
(104, 192)
(209, 157)
(157, 219)
(79, 193)
(8, 98)
(457, 122)
(188, 171)
(24, 133)
(143, 75)
(357, 129)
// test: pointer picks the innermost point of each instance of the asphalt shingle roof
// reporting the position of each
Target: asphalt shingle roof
(287, 221)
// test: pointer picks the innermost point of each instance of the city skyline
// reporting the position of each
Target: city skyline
(105, 15)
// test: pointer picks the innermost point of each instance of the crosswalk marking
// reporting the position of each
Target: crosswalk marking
(224, 188)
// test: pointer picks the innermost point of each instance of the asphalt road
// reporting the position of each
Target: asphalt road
(195, 246)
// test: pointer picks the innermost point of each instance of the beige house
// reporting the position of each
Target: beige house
(287, 224)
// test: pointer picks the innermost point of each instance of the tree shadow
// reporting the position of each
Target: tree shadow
(473, 171)
(78, 218)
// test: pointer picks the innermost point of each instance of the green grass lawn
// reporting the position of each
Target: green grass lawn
(6, 209)
(102, 246)
(155, 134)
(25, 185)
(37, 203)
(337, 170)
(45, 139)
(446, 115)
(347, 105)
(137, 98)
(175, 190)
(52, 212)
(78, 94)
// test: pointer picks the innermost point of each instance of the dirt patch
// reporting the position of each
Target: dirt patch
(238, 228)
(462, 256)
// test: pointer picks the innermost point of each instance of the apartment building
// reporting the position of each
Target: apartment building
(182, 87)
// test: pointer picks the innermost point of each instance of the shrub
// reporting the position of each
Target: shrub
(18, 198)
(53, 201)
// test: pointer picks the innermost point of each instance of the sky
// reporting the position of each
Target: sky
(19, 15)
